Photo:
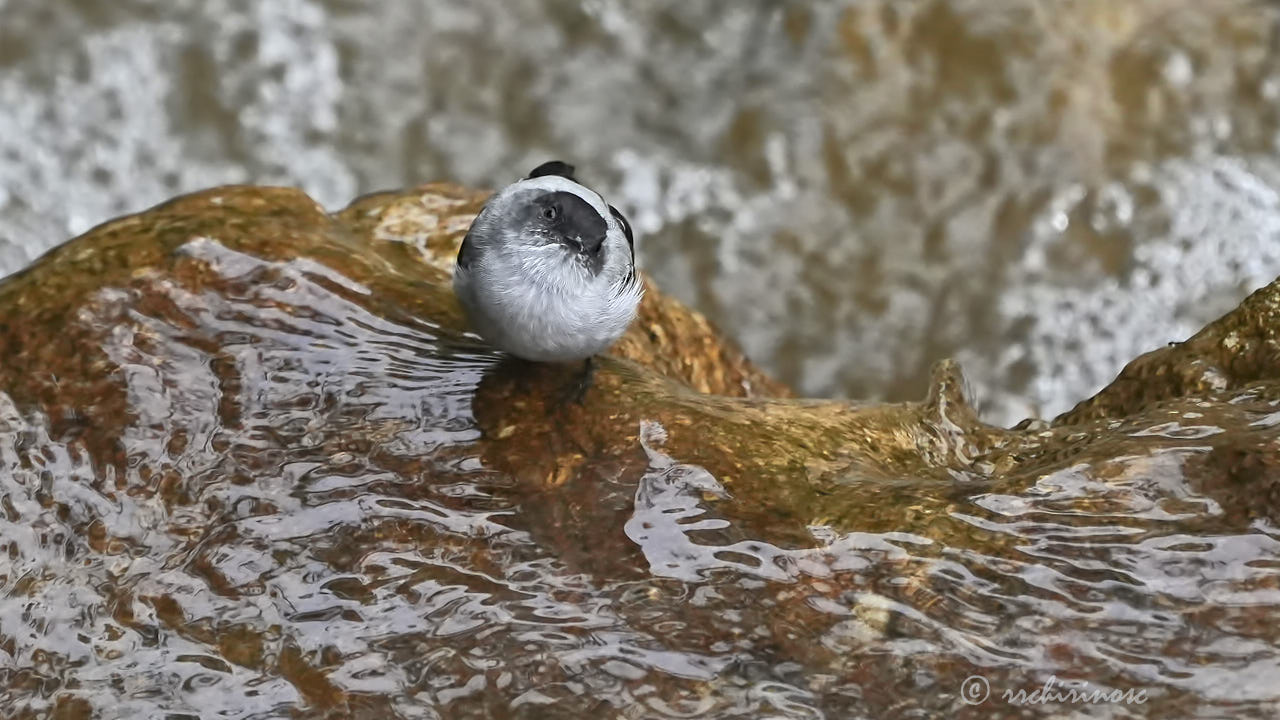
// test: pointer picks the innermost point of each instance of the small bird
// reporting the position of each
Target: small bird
(547, 271)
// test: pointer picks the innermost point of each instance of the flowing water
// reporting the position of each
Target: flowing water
(852, 190)
(299, 512)
(238, 482)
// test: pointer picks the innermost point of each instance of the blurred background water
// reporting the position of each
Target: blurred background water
(852, 190)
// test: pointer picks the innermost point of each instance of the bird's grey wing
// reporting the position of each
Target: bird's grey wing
(553, 167)
(626, 230)
(466, 253)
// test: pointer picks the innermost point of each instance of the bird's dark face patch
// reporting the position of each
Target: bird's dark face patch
(565, 218)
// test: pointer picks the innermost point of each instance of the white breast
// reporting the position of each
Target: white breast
(546, 307)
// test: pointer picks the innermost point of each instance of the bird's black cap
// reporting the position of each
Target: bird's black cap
(553, 167)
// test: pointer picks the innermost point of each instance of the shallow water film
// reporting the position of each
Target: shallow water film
(1042, 190)
(251, 467)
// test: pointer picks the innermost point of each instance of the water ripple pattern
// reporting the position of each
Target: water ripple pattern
(1043, 190)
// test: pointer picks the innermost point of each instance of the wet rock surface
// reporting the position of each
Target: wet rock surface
(251, 465)
(1042, 190)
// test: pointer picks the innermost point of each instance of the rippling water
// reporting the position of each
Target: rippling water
(303, 512)
(308, 506)
(1041, 189)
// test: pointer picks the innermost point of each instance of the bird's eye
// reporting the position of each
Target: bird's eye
(550, 212)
